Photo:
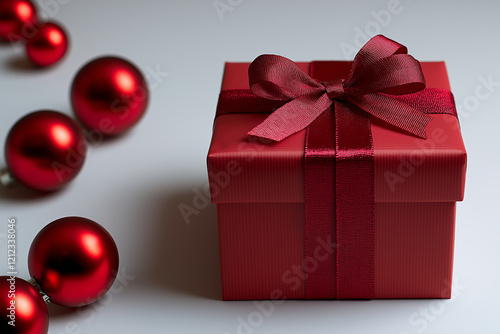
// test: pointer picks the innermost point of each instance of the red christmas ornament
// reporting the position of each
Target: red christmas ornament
(21, 305)
(109, 95)
(74, 260)
(48, 45)
(15, 17)
(45, 150)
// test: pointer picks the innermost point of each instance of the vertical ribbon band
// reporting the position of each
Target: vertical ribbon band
(320, 217)
(355, 205)
(339, 200)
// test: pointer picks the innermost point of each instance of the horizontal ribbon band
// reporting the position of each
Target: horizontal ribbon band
(243, 101)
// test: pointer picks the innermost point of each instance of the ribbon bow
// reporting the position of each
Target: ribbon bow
(381, 71)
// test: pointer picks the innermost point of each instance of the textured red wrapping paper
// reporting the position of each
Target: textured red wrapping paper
(259, 192)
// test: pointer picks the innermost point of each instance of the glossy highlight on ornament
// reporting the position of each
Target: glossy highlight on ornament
(74, 260)
(48, 45)
(109, 95)
(15, 17)
(22, 309)
(45, 150)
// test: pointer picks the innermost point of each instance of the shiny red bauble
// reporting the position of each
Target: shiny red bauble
(22, 306)
(45, 150)
(109, 95)
(48, 44)
(17, 18)
(74, 260)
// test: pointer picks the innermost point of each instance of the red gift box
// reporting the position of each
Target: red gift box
(259, 190)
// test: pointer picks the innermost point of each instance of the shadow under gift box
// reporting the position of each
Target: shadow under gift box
(259, 192)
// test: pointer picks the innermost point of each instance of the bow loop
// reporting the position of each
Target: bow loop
(404, 77)
(278, 78)
(376, 49)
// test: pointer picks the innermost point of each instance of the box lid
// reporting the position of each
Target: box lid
(407, 168)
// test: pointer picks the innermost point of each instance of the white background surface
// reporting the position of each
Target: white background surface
(133, 185)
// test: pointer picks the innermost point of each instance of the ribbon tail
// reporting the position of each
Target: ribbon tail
(292, 117)
(394, 112)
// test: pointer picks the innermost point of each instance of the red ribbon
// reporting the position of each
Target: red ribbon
(380, 71)
(384, 82)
